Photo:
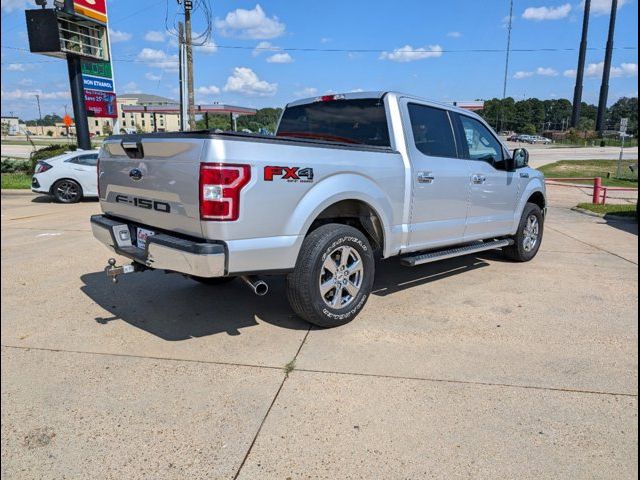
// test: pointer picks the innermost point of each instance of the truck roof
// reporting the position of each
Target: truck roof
(380, 94)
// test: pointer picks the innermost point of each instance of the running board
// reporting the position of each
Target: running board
(454, 252)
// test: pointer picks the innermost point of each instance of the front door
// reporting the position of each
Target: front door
(440, 178)
(494, 191)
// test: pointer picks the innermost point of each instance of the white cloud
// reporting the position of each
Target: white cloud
(116, 36)
(325, 40)
(603, 7)
(546, 72)
(210, 90)
(155, 36)
(522, 74)
(245, 82)
(131, 87)
(19, 94)
(306, 92)
(207, 48)
(547, 13)
(280, 58)
(11, 5)
(454, 34)
(250, 24)
(410, 54)
(541, 71)
(19, 67)
(152, 76)
(25, 82)
(264, 47)
(596, 69)
(158, 59)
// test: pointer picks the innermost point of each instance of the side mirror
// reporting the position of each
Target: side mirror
(520, 158)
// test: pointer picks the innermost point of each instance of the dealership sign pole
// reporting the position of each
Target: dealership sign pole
(77, 31)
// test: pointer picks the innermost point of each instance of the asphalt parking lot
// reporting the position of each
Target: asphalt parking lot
(469, 368)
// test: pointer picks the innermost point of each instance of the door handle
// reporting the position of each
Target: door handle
(425, 177)
(478, 179)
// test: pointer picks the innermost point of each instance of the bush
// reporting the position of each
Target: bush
(48, 152)
(15, 165)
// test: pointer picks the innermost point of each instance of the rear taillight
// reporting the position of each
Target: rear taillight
(220, 186)
(42, 167)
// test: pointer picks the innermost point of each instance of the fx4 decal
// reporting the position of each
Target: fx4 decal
(290, 174)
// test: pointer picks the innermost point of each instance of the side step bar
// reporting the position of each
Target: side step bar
(429, 257)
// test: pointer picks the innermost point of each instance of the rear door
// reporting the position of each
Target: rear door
(153, 181)
(440, 178)
(494, 192)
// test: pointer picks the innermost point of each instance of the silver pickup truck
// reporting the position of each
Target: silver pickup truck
(347, 180)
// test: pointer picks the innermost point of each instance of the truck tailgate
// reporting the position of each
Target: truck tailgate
(152, 181)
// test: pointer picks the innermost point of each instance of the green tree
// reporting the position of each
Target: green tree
(624, 108)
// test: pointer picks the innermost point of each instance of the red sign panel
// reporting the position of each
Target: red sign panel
(100, 104)
(96, 9)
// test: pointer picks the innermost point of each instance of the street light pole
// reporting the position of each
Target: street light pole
(189, 54)
(39, 114)
(577, 92)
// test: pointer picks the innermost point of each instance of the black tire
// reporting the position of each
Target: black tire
(322, 251)
(519, 251)
(67, 191)
(212, 280)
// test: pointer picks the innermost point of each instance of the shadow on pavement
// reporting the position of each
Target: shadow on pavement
(42, 198)
(629, 226)
(392, 277)
(174, 308)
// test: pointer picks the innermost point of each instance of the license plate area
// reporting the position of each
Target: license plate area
(142, 235)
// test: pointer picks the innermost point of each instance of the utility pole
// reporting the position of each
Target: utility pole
(604, 88)
(188, 5)
(506, 65)
(577, 92)
(39, 114)
(181, 74)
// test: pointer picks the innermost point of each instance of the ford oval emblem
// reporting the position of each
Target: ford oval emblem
(135, 174)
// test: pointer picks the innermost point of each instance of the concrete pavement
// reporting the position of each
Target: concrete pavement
(469, 368)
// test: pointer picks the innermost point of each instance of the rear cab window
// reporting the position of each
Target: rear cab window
(356, 122)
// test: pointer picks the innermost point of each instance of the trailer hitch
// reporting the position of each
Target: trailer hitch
(114, 271)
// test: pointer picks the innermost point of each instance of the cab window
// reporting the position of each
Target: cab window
(432, 131)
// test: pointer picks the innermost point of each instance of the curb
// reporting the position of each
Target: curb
(17, 191)
(609, 216)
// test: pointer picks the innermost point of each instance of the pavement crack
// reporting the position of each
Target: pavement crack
(591, 245)
(275, 397)
(470, 382)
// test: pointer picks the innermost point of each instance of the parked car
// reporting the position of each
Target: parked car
(346, 180)
(68, 177)
(542, 140)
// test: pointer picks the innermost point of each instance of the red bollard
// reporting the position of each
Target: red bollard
(597, 187)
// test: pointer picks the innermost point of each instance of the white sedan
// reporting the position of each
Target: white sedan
(68, 177)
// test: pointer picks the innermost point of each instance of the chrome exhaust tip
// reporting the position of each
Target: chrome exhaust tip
(258, 286)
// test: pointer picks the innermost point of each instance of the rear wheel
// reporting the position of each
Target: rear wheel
(529, 235)
(67, 191)
(333, 276)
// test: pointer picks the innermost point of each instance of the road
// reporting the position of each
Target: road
(473, 367)
(539, 154)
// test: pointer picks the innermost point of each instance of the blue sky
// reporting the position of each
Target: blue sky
(417, 46)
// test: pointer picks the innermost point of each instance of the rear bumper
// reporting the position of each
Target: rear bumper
(162, 251)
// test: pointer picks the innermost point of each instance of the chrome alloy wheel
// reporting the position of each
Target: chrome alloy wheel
(341, 277)
(531, 233)
(67, 191)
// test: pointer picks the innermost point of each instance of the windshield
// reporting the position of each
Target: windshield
(360, 122)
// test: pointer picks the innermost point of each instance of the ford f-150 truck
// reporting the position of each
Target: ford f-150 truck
(346, 180)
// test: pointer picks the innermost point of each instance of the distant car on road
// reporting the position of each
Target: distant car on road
(68, 177)
(542, 140)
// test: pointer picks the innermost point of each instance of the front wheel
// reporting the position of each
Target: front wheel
(333, 276)
(528, 238)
